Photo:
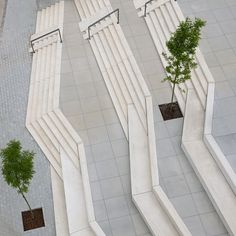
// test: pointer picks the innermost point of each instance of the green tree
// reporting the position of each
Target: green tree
(182, 48)
(17, 167)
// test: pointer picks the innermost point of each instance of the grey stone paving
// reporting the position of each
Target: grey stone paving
(15, 67)
(219, 48)
(176, 175)
(86, 103)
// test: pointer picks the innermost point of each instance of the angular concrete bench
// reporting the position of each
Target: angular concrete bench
(162, 18)
(74, 214)
(133, 104)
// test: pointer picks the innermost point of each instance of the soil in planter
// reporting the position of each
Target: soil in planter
(170, 111)
(30, 222)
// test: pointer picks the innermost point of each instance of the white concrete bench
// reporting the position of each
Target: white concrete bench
(74, 214)
(162, 18)
(133, 104)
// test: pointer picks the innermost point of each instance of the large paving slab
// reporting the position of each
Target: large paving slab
(15, 68)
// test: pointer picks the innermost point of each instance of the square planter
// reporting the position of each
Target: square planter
(170, 111)
(35, 222)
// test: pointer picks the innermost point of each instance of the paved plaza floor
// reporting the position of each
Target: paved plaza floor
(86, 103)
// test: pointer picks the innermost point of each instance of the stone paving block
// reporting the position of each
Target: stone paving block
(94, 119)
(193, 182)
(71, 108)
(96, 191)
(169, 166)
(227, 143)
(161, 129)
(107, 169)
(115, 131)
(194, 224)
(140, 227)
(68, 94)
(98, 135)
(228, 27)
(92, 171)
(232, 39)
(116, 207)
(211, 30)
(165, 148)
(110, 116)
(223, 14)
(176, 186)
(226, 56)
(203, 204)
(218, 73)
(102, 151)
(100, 210)
(82, 76)
(112, 187)
(218, 43)
(184, 163)
(77, 122)
(232, 161)
(105, 225)
(126, 183)
(184, 205)
(212, 224)
(220, 126)
(86, 90)
(123, 165)
(122, 226)
(105, 102)
(120, 147)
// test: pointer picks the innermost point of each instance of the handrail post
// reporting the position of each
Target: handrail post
(104, 17)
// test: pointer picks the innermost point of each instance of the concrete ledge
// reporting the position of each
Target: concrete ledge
(132, 101)
(212, 145)
(203, 83)
(56, 137)
(204, 164)
(170, 211)
(153, 204)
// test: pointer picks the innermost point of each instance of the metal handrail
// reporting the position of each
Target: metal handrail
(53, 31)
(145, 7)
(104, 17)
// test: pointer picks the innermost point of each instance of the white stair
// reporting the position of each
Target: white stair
(54, 134)
(133, 104)
(162, 18)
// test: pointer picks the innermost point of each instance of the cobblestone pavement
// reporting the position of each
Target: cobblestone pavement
(218, 45)
(15, 68)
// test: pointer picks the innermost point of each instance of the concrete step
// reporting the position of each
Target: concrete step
(45, 141)
(209, 173)
(52, 157)
(106, 68)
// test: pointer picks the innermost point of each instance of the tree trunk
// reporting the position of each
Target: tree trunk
(32, 214)
(173, 91)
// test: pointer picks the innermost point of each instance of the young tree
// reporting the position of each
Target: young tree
(17, 167)
(182, 47)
